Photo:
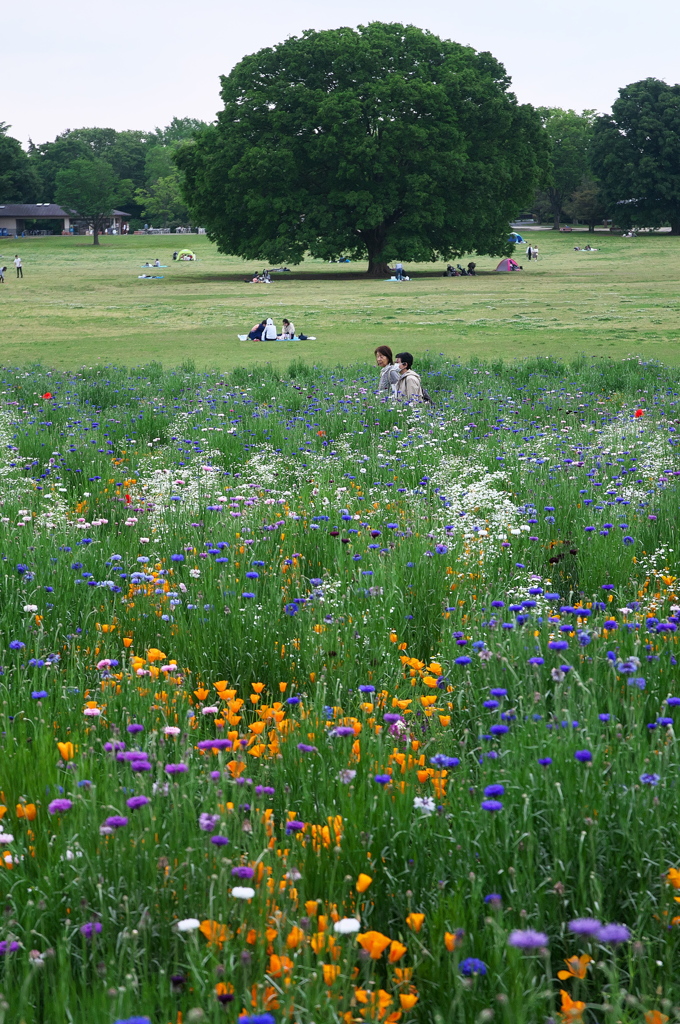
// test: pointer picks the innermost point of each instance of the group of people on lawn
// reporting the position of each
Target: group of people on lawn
(266, 331)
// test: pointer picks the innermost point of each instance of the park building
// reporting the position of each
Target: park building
(17, 219)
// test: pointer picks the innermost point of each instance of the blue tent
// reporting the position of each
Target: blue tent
(514, 236)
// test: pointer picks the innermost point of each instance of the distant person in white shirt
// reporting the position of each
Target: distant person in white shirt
(2, 274)
(17, 264)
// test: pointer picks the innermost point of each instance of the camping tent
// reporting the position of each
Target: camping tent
(508, 264)
(515, 236)
(186, 254)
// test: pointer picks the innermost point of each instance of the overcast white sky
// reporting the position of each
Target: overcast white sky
(132, 64)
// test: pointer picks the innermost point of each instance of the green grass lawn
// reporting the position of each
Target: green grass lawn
(81, 305)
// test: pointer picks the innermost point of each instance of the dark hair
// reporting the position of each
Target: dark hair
(284, 321)
(405, 357)
(384, 350)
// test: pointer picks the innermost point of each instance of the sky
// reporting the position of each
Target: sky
(79, 63)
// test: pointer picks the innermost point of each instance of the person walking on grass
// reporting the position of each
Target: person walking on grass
(408, 387)
(2, 274)
(17, 264)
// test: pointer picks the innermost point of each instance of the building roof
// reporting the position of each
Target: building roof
(32, 211)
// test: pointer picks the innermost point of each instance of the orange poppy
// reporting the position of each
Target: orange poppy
(577, 967)
(571, 1010)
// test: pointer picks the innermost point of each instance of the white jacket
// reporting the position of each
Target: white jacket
(269, 333)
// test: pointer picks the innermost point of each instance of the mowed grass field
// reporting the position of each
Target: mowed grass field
(81, 305)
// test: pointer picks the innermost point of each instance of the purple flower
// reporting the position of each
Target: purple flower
(294, 826)
(219, 744)
(176, 558)
(16, 645)
(441, 549)
(90, 929)
(219, 840)
(135, 727)
(116, 821)
(443, 761)
(9, 947)
(498, 692)
(342, 730)
(584, 756)
(464, 659)
(587, 926)
(492, 805)
(649, 779)
(613, 934)
(307, 748)
(545, 761)
(39, 694)
(499, 730)
(59, 806)
(558, 645)
(392, 718)
(257, 1018)
(247, 594)
(536, 661)
(137, 801)
(497, 789)
(243, 871)
(208, 822)
(471, 967)
(176, 769)
(383, 780)
(493, 897)
(528, 939)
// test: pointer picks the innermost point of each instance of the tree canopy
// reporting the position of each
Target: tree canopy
(91, 188)
(636, 155)
(384, 141)
(18, 180)
(570, 135)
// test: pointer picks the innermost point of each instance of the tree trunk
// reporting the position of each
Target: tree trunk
(95, 232)
(378, 268)
(591, 227)
(675, 227)
(374, 239)
(556, 204)
(556, 222)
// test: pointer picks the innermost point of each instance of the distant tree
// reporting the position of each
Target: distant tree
(91, 188)
(18, 179)
(48, 158)
(636, 155)
(587, 203)
(570, 136)
(163, 202)
(179, 130)
(381, 142)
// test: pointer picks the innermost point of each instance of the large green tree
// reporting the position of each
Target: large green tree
(18, 180)
(570, 136)
(383, 141)
(636, 155)
(91, 188)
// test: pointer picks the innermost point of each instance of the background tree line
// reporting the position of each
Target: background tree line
(134, 168)
(383, 142)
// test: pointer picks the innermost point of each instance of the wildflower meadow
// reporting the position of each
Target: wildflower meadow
(322, 710)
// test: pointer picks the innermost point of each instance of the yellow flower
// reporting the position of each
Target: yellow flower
(397, 950)
(375, 943)
(66, 750)
(363, 882)
(572, 1009)
(577, 967)
(330, 973)
(408, 1000)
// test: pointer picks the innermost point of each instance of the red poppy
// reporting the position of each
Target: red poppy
(48, 394)
(638, 413)
(128, 499)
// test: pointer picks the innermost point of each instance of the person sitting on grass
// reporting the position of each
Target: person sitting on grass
(408, 387)
(269, 333)
(256, 333)
(389, 374)
(287, 330)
